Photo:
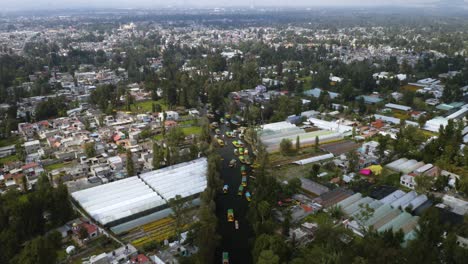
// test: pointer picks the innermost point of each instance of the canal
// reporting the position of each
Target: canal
(235, 242)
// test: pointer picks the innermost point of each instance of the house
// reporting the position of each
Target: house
(317, 91)
(7, 151)
(170, 115)
(370, 99)
(92, 231)
(115, 163)
(32, 146)
(194, 112)
(408, 180)
(398, 107)
(140, 259)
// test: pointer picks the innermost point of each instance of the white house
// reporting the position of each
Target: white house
(32, 146)
(170, 115)
(408, 181)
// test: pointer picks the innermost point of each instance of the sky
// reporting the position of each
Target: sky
(57, 4)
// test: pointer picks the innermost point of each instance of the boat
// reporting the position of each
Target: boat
(220, 142)
(236, 143)
(236, 224)
(233, 163)
(241, 190)
(217, 131)
(247, 160)
(244, 181)
(230, 215)
(236, 152)
(242, 159)
(243, 170)
(225, 258)
(248, 196)
(225, 188)
(214, 125)
(230, 134)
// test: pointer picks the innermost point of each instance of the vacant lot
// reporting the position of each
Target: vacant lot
(341, 147)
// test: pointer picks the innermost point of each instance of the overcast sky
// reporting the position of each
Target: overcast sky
(54, 4)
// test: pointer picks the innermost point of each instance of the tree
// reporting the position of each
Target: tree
(268, 257)
(315, 170)
(353, 161)
(38, 251)
(298, 144)
(286, 146)
(179, 208)
(130, 165)
(90, 149)
(264, 210)
(157, 156)
(423, 183)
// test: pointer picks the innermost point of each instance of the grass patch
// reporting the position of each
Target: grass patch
(55, 166)
(279, 159)
(320, 218)
(411, 88)
(307, 82)
(9, 141)
(145, 106)
(8, 159)
(195, 130)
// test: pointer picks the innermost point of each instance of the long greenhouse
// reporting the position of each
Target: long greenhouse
(140, 196)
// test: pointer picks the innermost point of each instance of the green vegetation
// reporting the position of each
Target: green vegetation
(8, 159)
(55, 166)
(24, 224)
(147, 106)
(193, 130)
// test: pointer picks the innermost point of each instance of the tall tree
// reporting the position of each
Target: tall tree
(130, 165)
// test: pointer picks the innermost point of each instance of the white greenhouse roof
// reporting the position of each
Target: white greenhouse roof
(184, 179)
(120, 199)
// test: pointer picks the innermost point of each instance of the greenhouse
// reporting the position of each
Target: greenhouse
(272, 134)
(184, 179)
(118, 200)
(132, 199)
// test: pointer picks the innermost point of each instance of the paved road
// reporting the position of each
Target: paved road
(235, 242)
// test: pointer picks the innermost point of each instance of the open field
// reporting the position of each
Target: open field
(341, 147)
(145, 106)
(409, 87)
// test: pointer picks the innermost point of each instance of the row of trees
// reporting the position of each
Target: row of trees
(26, 218)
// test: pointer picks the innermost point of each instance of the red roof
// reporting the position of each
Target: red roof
(29, 166)
(378, 123)
(90, 228)
(306, 208)
(140, 259)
